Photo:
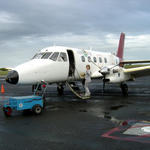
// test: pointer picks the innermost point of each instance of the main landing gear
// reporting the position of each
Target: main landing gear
(124, 88)
(60, 89)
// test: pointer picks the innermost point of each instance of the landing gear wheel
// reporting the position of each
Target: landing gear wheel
(37, 109)
(60, 90)
(124, 88)
(7, 111)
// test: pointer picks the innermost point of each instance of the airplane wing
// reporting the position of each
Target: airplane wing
(134, 61)
(138, 71)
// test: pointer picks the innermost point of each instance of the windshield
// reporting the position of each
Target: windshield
(62, 57)
(54, 56)
(38, 56)
(46, 55)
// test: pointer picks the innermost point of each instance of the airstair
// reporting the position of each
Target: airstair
(76, 90)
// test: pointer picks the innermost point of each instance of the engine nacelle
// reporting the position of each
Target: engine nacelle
(117, 75)
(105, 70)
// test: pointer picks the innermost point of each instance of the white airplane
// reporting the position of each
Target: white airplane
(59, 64)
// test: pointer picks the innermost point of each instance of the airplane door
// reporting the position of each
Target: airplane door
(71, 63)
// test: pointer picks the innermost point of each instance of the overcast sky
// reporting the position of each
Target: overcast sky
(26, 26)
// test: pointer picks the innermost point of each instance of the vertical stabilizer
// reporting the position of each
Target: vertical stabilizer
(121, 46)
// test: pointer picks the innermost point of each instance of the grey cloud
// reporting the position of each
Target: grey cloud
(37, 19)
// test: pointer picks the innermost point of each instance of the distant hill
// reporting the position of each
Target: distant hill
(3, 71)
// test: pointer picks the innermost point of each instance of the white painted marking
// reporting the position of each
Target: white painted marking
(146, 129)
(20, 105)
(2, 79)
(139, 129)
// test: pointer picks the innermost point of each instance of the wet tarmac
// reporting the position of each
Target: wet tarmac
(68, 123)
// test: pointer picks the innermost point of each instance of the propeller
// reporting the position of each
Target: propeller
(105, 71)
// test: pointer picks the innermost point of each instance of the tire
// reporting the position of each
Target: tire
(37, 109)
(7, 111)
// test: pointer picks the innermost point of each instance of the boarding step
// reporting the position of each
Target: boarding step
(76, 90)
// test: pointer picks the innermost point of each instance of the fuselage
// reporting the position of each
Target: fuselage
(58, 64)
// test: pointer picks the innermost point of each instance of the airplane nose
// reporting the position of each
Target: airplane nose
(12, 77)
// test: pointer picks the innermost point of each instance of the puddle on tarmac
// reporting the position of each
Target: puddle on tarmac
(116, 107)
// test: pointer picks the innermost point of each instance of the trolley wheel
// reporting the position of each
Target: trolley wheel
(37, 109)
(7, 111)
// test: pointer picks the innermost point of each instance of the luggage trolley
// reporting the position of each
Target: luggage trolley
(34, 103)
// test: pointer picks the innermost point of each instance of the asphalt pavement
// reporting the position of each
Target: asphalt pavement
(68, 123)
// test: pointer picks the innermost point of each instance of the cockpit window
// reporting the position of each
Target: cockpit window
(54, 56)
(46, 55)
(38, 56)
(34, 56)
(62, 57)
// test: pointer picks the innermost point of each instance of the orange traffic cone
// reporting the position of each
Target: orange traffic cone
(2, 89)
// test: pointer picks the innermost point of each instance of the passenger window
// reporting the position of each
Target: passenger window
(105, 60)
(54, 56)
(62, 57)
(46, 55)
(89, 59)
(83, 58)
(100, 59)
(94, 59)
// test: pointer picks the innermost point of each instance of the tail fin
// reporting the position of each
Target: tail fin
(121, 47)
